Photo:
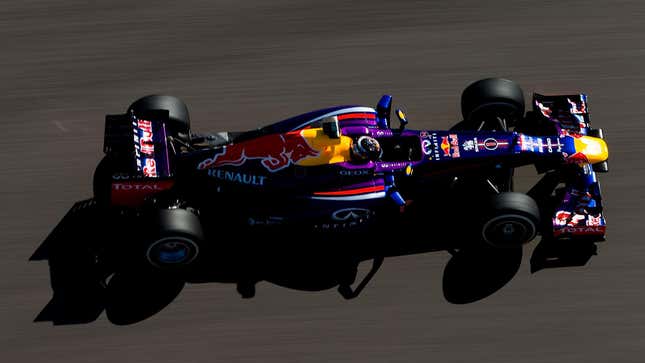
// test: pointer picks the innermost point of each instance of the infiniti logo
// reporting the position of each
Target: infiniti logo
(351, 214)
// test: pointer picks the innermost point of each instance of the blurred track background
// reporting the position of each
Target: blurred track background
(241, 64)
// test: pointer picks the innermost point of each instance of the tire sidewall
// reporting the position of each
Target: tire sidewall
(177, 232)
(510, 208)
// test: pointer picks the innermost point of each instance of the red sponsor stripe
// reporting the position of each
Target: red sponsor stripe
(346, 116)
(378, 188)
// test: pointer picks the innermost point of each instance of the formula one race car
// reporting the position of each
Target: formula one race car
(169, 198)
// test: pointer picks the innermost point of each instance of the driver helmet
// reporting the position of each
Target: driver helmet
(366, 148)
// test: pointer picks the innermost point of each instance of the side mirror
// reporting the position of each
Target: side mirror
(402, 119)
(383, 110)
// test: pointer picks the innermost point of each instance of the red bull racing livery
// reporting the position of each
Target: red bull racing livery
(275, 152)
(176, 199)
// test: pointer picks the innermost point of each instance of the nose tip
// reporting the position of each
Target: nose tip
(594, 148)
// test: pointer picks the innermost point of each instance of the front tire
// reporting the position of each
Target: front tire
(492, 104)
(492, 101)
(512, 221)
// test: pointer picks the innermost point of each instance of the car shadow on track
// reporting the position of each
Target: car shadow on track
(126, 298)
(473, 274)
(85, 287)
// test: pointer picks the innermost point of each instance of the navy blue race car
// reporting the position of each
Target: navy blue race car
(169, 199)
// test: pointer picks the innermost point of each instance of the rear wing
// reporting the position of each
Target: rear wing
(142, 140)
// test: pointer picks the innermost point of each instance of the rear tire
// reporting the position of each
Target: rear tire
(178, 242)
(178, 118)
(513, 220)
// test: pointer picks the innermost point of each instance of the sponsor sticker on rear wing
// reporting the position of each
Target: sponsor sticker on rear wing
(151, 145)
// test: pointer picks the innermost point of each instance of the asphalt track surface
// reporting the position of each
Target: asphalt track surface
(242, 64)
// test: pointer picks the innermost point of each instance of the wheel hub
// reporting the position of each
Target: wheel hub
(171, 251)
(508, 230)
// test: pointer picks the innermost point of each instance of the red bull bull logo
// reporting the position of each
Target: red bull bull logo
(450, 145)
(275, 152)
(445, 146)
(577, 158)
